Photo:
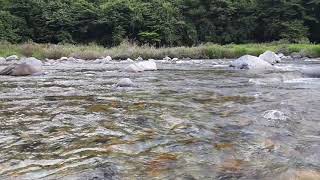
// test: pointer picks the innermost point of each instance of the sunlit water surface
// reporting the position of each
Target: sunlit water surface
(190, 120)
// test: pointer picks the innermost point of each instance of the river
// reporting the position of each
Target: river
(190, 120)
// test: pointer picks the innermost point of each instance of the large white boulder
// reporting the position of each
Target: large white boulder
(28, 66)
(252, 63)
(108, 58)
(134, 68)
(12, 58)
(270, 57)
(149, 65)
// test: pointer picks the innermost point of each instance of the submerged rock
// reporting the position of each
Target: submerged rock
(28, 66)
(312, 72)
(251, 62)
(12, 58)
(125, 82)
(270, 57)
(274, 115)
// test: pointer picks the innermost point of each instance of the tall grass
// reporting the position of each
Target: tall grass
(129, 50)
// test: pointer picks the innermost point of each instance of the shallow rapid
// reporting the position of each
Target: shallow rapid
(189, 120)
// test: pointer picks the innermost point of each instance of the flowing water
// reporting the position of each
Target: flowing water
(190, 120)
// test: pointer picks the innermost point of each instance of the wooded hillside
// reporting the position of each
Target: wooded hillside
(159, 22)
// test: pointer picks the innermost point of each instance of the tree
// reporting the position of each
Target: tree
(312, 20)
(10, 26)
(280, 19)
(159, 22)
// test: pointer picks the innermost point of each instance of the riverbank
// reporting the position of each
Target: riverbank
(126, 50)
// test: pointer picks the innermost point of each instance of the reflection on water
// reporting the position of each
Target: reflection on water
(185, 121)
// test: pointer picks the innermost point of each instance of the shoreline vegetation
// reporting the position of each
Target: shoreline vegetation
(128, 50)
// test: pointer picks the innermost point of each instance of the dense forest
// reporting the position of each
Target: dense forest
(159, 22)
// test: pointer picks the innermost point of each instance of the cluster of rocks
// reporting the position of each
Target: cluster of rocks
(149, 65)
(33, 66)
(264, 62)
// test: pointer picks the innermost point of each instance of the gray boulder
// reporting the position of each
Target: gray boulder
(312, 72)
(125, 82)
(28, 66)
(270, 57)
(12, 58)
(251, 63)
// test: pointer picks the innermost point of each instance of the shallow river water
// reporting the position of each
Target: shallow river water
(191, 120)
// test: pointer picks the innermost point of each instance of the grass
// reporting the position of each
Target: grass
(127, 50)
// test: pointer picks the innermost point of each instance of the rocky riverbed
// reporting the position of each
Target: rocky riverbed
(193, 119)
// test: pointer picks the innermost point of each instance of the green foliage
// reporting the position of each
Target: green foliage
(159, 22)
(10, 26)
